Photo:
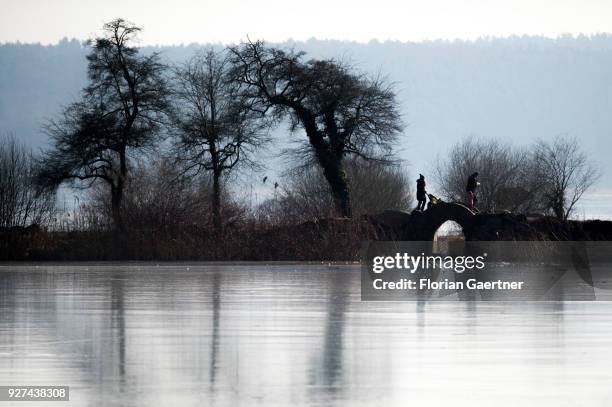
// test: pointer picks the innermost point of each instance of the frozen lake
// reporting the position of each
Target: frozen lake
(288, 335)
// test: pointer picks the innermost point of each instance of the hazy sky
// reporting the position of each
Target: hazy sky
(185, 21)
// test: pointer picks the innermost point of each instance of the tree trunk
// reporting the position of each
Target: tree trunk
(117, 192)
(558, 206)
(116, 200)
(330, 159)
(216, 201)
(336, 178)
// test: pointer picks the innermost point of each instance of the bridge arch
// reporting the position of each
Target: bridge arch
(423, 225)
(449, 230)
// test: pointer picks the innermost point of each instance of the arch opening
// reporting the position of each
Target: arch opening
(449, 231)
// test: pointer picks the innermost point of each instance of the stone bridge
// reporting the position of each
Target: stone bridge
(422, 226)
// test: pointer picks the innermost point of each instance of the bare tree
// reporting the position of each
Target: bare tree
(341, 111)
(159, 198)
(119, 114)
(215, 128)
(567, 171)
(22, 201)
(508, 178)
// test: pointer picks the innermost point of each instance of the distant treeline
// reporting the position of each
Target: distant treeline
(518, 88)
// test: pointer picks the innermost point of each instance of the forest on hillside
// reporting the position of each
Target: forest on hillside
(517, 88)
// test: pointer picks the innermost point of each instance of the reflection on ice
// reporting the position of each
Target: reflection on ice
(145, 335)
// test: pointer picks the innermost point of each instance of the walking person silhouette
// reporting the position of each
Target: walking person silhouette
(421, 193)
(472, 184)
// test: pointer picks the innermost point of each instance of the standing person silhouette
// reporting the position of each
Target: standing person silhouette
(472, 184)
(421, 193)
